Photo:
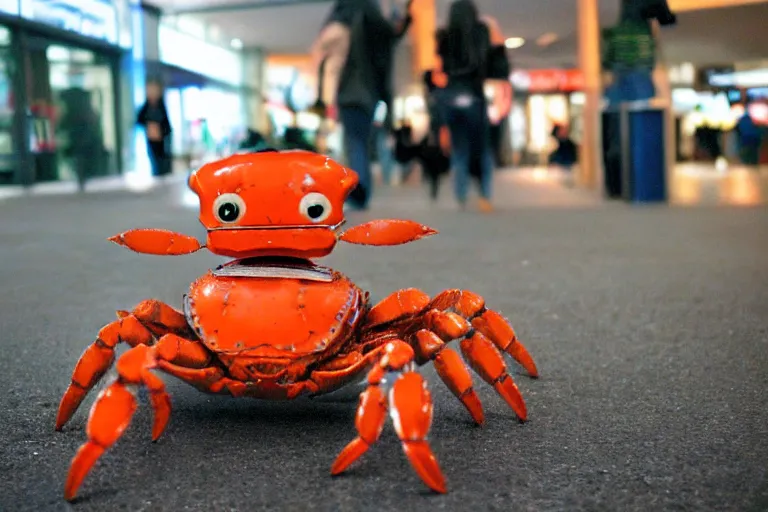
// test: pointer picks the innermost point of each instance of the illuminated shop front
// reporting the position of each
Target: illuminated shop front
(291, 92)
(543, 99)
(706, 112)
(60, 68)
(206, 95)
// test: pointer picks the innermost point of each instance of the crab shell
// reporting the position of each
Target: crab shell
(268, 330)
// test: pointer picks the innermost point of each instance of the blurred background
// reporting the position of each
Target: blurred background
(621, 153)
(74, 74)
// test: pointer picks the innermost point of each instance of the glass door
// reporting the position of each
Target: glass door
(72, 104)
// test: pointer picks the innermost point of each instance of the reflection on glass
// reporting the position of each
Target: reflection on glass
(73, 130)
(206, 121)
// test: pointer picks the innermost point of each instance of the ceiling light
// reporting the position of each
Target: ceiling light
(514, 42)
(236, 44)
(546, 39)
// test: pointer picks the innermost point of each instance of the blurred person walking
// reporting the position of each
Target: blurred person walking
(355, 48)
(153, 116)
(750, 137)
(468, 58)
(84, 146)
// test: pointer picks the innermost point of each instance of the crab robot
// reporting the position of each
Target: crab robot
(271, 324)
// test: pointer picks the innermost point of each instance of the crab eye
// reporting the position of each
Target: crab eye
(228, 208)
(315, 206)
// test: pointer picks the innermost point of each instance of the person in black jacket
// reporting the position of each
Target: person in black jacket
(153, 116)
(465, 49)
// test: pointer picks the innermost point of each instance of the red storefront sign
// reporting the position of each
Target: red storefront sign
(547, 80)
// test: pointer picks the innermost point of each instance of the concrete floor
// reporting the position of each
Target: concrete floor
(649, 325)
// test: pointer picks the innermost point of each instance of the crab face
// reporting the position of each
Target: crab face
(272, 203)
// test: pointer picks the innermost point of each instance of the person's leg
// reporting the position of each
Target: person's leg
(357, 130)
(487, 159)
(166, 167)
(80, 162)
(155, 150)
(480, 150)
(460, 150)
(434, 186)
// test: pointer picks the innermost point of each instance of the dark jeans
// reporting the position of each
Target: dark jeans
(467, 120)
(83, 163)
(749, 154)
(358, 123)
(160, 157)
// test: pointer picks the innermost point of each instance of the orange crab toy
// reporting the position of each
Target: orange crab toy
(273, 325)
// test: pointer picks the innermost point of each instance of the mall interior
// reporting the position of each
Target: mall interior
(633, 266)
(228, 67)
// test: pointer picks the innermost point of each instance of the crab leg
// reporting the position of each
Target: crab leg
(488, 363)
(148, 319)
(371, 413)
(481, 355)
(112, 412)
(96, 360)
(498, 330)
(472, 306)
(410, 407)
(452, 371)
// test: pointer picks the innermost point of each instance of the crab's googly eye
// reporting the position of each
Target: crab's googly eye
(228, 208)
(315, 206)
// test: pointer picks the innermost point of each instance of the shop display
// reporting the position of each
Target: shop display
(271, 324)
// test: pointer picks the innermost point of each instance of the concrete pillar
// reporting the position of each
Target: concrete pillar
(663, 100)
(590, 155)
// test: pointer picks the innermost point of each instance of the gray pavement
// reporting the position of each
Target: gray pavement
(649, 325)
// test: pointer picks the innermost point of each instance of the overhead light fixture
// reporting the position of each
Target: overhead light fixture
(514, 42)
(546, 39)
(236, 44)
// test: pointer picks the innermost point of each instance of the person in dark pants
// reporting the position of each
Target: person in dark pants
(464, 48)
(85, 141)
(153, 116)
(364, 79)
(750, 139)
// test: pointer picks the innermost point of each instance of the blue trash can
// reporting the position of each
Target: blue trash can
(643, 154)
(648, 164)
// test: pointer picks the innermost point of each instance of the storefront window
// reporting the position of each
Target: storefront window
(73, 119)
(206, 121)
(7, 139)
(91, 18)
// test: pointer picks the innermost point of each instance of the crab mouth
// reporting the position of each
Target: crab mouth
(300, 240)
(335, 228)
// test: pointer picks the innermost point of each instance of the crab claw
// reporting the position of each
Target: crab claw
(386, 232)
(157, 241)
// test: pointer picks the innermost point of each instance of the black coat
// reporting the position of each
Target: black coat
(366, 77)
